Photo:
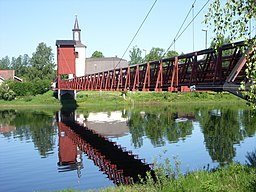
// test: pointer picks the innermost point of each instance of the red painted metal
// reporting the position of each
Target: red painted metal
(206, 69)
(159, 81)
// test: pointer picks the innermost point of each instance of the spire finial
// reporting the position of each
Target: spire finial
(76, 26)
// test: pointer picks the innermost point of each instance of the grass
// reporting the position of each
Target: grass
(230, 178)
(46, 99)
(115, 98)
(233, 178)
(105, 98)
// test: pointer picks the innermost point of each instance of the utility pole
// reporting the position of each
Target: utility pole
(205, 30)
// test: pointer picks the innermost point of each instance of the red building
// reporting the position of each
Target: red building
(7, 75)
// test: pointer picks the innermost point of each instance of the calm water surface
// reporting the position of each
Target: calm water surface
(49, 150)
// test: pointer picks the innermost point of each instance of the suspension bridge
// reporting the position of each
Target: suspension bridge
(205, 70)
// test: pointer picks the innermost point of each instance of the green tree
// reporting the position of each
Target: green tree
(20, 65)
(223, 40)
(171, 53)
(233, 18)
(97, 54)
(155, 54)
(135, 56)
(42, 64)
(5, 63)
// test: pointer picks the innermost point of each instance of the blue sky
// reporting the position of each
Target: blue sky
(107, 25)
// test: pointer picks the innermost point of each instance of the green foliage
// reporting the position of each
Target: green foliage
(233, 178)
(155, 54)
(41, 86)
(97, 54)
(232, 17)
(6, 93)
(40, 66)
(135, 56)
(172, 53)
(20, 65)
(5, 63)
(41, 63)
(31, 87)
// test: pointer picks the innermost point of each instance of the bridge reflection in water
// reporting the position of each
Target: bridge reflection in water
(120, 166)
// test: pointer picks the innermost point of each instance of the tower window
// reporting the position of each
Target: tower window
(77, 55)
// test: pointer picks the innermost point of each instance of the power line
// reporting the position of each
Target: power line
(184, 20)
(178, 36)
(136, 33)
(175, 38)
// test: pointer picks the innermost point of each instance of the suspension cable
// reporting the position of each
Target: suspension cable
(178, 36)
(136, 33)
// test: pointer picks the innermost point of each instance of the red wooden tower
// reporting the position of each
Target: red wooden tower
(65, 60)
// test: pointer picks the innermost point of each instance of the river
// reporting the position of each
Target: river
(92, 148)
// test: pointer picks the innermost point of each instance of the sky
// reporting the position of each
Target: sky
(106, 25)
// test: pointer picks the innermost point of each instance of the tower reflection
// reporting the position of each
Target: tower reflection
(120, 166)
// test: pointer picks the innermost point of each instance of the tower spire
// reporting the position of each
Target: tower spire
(76, 31)
(76, 26)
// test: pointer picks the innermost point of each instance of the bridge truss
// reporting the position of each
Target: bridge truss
(207, 69)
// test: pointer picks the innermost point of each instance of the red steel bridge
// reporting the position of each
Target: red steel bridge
(205, 70)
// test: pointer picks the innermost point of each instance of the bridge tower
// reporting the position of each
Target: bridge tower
(65, 64)
(71, 59)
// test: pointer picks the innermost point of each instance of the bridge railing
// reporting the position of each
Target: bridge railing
(206, 69)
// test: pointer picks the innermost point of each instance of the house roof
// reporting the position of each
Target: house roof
(17, 78)
(7, 74)
(65, 43)
(105, 59)
(79, 44)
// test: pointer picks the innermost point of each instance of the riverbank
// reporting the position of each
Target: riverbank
(233, 178)
(86, 98)
(43, 100)
(115, 98)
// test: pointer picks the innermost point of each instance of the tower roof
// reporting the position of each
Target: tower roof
(76, 26)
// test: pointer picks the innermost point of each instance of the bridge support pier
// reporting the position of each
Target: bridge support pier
(70, 94)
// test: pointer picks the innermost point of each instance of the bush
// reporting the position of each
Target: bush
(6, 93)
(30, 88)
(41, 86)
(21, 89)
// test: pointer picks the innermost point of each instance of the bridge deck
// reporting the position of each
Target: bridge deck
(205, 70)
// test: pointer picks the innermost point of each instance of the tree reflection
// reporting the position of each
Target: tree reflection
(251, 157)
(222, 129)
(158, 127)
(248, 123)
(35, 126)
(179, 130)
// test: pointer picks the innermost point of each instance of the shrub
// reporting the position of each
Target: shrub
(30, 88)
(41, 86)
(6, 93)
